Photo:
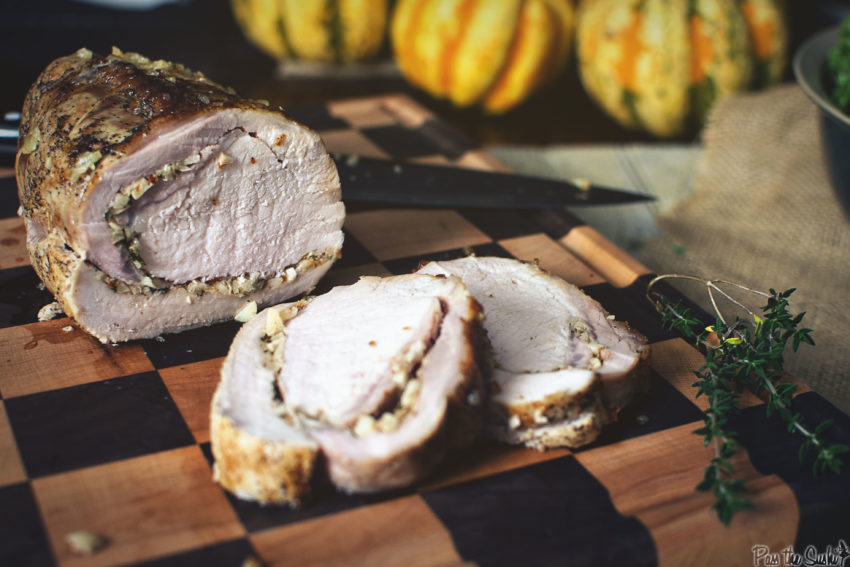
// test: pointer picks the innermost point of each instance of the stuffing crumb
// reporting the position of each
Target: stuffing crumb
(514, 422)
(85, 543)
(68, 328)
(246, 312)
(50, 311)
(583, 184)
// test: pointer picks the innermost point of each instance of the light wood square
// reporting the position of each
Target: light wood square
(654, 478)
(676, 360)
(552, 257)
(435, 159)
(145, 507)
(351, 142)
(400, 532)
(399, 233)
(486, 458)
(617, 267)
(406, 111)
(192, 387)
(361, 112)
(13, 243)
(42, 356)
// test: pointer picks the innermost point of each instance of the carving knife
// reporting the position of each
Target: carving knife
(372, 180)
(376, 180)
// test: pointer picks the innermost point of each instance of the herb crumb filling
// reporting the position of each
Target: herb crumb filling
(387, 420)
(240, 285)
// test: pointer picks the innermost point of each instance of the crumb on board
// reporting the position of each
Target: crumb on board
(50, 311)
(68, 328)
(85, 543)
(252, 561)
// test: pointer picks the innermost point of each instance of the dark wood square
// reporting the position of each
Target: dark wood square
(398, 142)
(529, 516)
(62, 430)
(191, 346)
(22, 537)
(23, 296)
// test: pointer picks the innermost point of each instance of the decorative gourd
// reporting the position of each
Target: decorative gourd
(488, 52)
(658, 65)
(345, 31)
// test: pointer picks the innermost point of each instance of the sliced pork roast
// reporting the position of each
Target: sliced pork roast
(156, 200)
(379, 379)
(563, 366)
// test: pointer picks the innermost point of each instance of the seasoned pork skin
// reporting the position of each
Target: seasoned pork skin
(156, 200)
(563, 367)
(376, 380)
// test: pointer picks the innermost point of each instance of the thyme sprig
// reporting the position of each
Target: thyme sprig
(743, 354)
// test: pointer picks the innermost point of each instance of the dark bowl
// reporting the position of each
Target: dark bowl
(811, 73)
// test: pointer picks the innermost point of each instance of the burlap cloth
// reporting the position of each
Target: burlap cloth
(763, 213)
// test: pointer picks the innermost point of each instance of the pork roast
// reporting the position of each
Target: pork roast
(156, 200)
(379, 379)
(563, 366)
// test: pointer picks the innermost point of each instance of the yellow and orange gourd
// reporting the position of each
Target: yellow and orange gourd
(492, 53)
(658, 65)
(325, 31)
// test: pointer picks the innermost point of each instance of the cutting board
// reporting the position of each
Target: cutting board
(114, 440)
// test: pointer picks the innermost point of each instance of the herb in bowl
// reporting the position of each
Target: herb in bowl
(838, 65)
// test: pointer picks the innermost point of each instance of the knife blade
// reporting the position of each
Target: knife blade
(374, 180)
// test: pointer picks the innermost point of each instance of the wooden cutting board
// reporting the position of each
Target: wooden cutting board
(114, 440)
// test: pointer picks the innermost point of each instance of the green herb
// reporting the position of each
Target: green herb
(838, 64)
(738, 355)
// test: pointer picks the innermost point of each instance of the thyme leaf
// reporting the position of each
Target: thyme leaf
(744, 354)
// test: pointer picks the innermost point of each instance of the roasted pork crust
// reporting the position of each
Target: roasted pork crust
(85, 104)
(260, 469)
(556, 406)
(573, 433)
(102, 108)
(102, 103)
(250, 466)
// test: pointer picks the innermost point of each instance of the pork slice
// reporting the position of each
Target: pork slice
(157, 180)
(384, 375)
(558, 354)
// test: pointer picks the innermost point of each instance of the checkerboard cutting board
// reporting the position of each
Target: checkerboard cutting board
(114, 440)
